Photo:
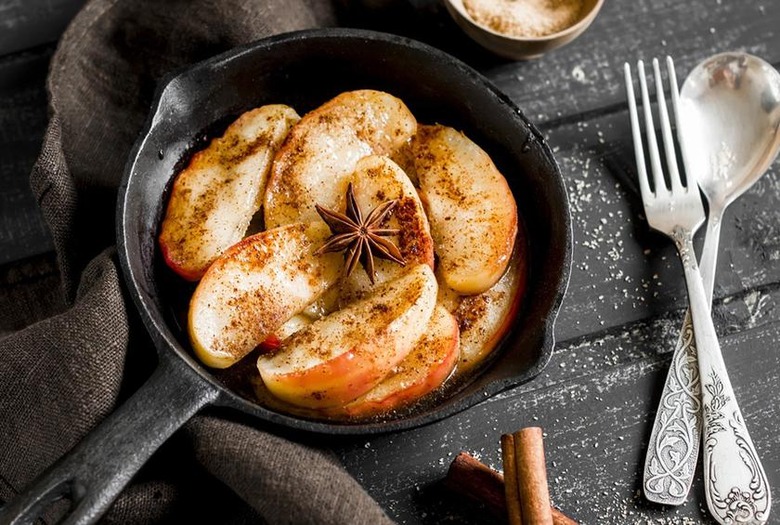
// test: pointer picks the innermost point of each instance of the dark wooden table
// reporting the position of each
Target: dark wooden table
(597, 397)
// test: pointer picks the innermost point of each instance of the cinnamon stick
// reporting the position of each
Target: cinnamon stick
(469, 477)
(473, 479)
(532, 476)
(511, 489)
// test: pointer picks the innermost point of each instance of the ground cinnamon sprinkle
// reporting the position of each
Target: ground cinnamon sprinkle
(529, 18)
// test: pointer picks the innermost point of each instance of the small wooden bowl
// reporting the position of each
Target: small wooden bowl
(521, 48)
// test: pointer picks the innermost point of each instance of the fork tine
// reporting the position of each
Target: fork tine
(675, 91)
(652, 144)
(644, 185)
(666, 129)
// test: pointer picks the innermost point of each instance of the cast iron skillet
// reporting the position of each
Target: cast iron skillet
(303, 70)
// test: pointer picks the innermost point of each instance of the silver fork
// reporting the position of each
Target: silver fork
(736, 487)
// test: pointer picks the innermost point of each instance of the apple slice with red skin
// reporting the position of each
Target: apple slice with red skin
(470, 206)
(342, 356)
(424, 370)
(213, 199)
(255, 287)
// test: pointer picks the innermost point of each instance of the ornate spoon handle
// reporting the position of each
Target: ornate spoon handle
(673, 450)
(735, 483)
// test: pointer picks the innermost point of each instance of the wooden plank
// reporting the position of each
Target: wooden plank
(27, 23)
(596, 401)
(23, 120)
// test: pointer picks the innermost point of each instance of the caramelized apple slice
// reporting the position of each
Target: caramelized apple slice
(320, 154)
(340, 357)
(424, 370)
(471, 209)
(322, 306)
(213, 199)
(376, 180)
(486, 318)
(255, 287)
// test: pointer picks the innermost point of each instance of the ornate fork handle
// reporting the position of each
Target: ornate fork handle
(671, 457)
(735, 483)
(674, 442)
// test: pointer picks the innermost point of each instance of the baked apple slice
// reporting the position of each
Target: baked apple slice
(342, 356)
(376, 180)
(471, 209)
(214, 198)
(315, 162)
(424, 370)
(486, 318)
(255, 287)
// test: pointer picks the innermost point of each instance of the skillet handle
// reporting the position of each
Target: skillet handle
(96, 470)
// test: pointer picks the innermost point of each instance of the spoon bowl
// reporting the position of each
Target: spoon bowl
(730, 118)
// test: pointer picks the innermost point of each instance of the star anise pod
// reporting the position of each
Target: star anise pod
(363, 239)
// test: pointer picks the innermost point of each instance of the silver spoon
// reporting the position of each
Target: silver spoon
(729, 135)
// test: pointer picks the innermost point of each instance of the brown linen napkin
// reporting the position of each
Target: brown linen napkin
(63, 374)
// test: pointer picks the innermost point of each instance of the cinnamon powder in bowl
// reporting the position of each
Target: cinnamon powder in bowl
(523, 29)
